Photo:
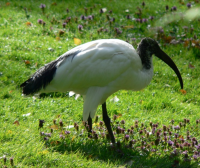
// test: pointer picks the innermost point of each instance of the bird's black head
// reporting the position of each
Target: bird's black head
(147, 47)
(148, 44)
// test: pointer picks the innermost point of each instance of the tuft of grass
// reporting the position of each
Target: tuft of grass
(27, 44)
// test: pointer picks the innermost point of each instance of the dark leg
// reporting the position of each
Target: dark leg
(90, 125)
(106, 120)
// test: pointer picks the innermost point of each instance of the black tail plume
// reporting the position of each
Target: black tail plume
(40, 79)
(44, 75)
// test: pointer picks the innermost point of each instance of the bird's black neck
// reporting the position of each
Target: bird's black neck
(145, 55)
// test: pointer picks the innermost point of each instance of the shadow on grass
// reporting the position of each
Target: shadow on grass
(121, 155)
(53, 95)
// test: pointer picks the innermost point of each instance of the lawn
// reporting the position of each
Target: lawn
(155, 127)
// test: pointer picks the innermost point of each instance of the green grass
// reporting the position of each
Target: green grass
(159, 103)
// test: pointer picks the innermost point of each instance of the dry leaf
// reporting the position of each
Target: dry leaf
(28, 24)
(186, 43)
(54, 4)
(128, 27)
(183, 91)
(27, 62)
(61, 32)
(16, 123)
(55, 127)
(73, 138)
(77, 41)
(191, 66)
(58, 38)
(119, 115)
(58, 116)
(55, 142)
(168, 39)
(181, 137)
(196, 42)
(7, 3)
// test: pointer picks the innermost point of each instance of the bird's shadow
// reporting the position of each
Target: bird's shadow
(121, 155)
(52, 95)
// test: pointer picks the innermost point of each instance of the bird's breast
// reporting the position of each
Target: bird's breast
(144, 77)
(134, 80)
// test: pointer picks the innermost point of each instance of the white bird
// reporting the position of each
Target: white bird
(96, 70)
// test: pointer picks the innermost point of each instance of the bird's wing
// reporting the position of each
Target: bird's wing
(99, 63)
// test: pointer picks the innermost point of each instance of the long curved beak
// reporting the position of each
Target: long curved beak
(164, 57)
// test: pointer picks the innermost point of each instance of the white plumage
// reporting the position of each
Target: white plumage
(97, 69)
(100, 69)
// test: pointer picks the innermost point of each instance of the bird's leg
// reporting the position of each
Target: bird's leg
(90, 126)
(106, 120)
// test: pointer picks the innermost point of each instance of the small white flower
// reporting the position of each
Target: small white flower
(50, 49)
(71, 93)
(77, 96)
(114, 99)
(104, 10)
(26, 115)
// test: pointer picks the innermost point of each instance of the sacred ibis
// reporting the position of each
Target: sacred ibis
(96, 70)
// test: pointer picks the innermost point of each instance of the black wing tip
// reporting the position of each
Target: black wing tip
(40, 79)
(23, 84)
(27, 87)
